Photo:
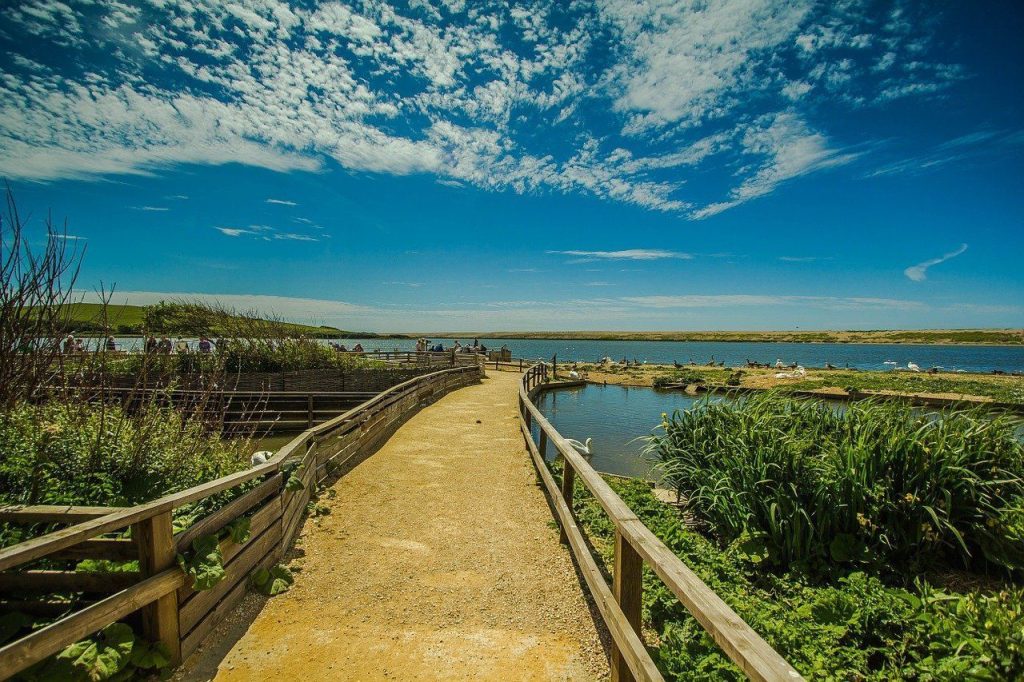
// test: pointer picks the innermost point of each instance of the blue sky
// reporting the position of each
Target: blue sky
(595, 164)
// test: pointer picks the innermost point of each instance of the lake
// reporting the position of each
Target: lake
(855, 355)
(858, 356)
(615, 417)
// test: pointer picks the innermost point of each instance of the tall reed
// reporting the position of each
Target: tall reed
(876, 482)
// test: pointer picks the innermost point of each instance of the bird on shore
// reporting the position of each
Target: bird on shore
(913, 367)
(582, 448)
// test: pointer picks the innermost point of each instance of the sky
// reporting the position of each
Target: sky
(442, 165)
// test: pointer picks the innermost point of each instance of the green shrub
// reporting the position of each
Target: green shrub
(854, 628)
(91, 454)
(876, 484)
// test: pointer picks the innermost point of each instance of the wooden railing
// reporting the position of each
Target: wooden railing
(171, 611)
(620, 604)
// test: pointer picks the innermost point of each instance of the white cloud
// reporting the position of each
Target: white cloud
(282, 202)
(156, 209)
(627, 254)
(919, 272)
(456, 92)
(789, 148)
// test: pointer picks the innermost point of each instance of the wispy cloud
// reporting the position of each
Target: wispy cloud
(716, 300)
(803, 259)
(974, 146)
(266, 233)
(150, 208)
(282, 202)
(233, 231)
(919, 272)
(627, 254)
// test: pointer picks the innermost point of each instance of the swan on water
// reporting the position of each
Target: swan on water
(583, 448)
(260, 457)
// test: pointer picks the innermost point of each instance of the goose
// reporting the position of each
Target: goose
(260, 457)
(583, 448)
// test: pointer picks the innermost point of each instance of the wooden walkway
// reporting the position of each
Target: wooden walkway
(438, 561)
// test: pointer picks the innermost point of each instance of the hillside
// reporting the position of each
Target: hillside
(85, 318)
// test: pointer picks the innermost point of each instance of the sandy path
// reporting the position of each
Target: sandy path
(438, 561)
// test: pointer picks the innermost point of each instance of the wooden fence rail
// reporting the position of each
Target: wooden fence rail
(620, 603)
(170, 611)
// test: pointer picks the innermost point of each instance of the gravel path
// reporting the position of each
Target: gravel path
(438, 561)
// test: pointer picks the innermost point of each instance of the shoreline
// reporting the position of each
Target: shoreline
(926, 337)
(981, 388)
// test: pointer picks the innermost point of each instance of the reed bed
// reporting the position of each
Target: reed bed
(877, 484)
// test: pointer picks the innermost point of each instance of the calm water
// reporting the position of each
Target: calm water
(859, 356)
(614, 417)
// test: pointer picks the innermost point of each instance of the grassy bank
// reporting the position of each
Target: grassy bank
(131, 320)
(948, 385)
(998, 337)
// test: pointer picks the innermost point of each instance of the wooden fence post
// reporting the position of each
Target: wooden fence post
(309, 408)
(628, 589)
(154, 538)
(568, 478)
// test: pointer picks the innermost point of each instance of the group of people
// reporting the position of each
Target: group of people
(340, 347)
(424, 345)
(165, 346)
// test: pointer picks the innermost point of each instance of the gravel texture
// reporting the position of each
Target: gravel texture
(438, 561)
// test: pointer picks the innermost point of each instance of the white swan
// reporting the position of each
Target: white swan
(583, 448)
(913, 367)
(260, 457)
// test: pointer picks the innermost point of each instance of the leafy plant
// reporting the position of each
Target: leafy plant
(852, 627)
(876, 483)
(294, 483)
(113, 653)
(205, 564)
(272, 581)
(240, 529)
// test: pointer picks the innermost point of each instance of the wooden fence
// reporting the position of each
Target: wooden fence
(157, 595)
(620, 604)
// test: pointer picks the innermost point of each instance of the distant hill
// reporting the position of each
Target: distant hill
(997, 337)
(129, 319)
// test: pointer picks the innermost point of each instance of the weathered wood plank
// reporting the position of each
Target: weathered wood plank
(52, 513)
(111, 549)
(228, 513)
(45, 582)
(260, 521)
(237, 570)
(627, 586)
(193, 640)
(155, 539)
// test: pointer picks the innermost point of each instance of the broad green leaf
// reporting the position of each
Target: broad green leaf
(239, 530)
